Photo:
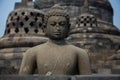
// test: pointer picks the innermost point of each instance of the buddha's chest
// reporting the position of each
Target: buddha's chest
(59, 60)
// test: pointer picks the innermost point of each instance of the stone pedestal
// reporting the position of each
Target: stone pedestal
(60, 77)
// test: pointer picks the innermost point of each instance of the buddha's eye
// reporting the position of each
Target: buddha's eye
(53, 23)
(62, 23)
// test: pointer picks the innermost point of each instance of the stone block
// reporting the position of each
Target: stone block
(109, 66)
(117, 62)
(17, 5)
(55, 78)
(115, 71)
(116, 67)
(104, 71)
(98, 77)
(60, 77)
(33, 77)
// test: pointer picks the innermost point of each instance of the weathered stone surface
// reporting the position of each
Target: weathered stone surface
(117, 62)
(104, 71)
(82, 77)
(16, 77)
(98, 77)
(24, 3)
(116, 70)
(98, 8)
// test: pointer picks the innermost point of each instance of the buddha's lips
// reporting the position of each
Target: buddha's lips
(57, 33)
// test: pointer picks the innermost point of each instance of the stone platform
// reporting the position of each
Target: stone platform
(60, 77)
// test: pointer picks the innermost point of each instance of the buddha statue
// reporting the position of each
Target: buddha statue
(56, 56)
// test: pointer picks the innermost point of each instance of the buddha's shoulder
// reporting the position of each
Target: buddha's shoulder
(37, 48)
(77, 49)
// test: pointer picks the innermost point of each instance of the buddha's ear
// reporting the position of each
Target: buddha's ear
(69, 25)
(44, 27)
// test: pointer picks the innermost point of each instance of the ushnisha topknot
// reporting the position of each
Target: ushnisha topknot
(56, 10)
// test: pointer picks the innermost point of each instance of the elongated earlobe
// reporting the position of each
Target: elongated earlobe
(69, 26)
(44, 28)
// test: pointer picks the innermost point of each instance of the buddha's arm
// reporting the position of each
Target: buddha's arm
(28, 63)
(84, 63)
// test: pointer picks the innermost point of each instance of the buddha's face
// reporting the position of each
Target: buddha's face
(57, 27)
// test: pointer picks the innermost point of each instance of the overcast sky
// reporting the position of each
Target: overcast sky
(6, 6)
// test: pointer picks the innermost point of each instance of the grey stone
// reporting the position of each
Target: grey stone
(117, 62)
(60, 77)
(98, 77)
(115, 71)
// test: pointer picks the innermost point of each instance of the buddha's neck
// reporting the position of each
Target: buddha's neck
(57, 42)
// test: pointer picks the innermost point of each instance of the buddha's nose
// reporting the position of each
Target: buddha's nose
(58, 28)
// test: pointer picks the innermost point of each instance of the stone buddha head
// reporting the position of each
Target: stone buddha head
(56, 23)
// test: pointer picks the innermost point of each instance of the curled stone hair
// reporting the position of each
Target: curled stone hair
(56, 10)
